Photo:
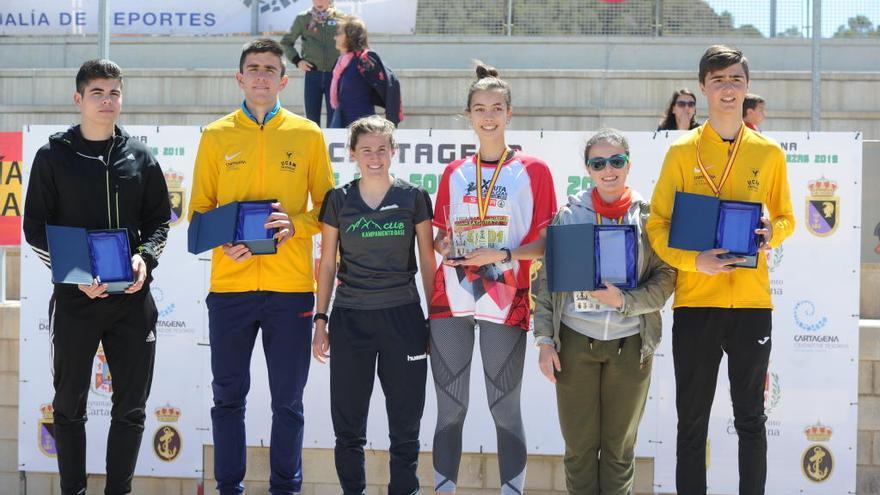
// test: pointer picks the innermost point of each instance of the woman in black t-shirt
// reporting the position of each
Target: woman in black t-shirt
(373, 223)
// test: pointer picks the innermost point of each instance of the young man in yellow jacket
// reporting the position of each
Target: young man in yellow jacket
(262, 151)
(719, 308)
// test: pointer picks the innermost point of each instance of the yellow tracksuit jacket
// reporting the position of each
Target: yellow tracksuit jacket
(284, 159)
(758, 175)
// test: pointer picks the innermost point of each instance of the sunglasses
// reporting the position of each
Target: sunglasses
(598, 163)
(683, 103)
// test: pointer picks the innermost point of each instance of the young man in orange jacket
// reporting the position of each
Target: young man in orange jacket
(262, 151)
(719, 308)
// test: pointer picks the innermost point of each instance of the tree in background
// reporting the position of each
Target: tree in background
(792, 32)
(576, 17)
(461, 17)
(858, 27)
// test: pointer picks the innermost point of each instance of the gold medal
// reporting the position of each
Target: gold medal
(482, 203)
(731, 157)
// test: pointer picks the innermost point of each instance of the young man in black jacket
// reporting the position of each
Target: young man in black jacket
(96, 176)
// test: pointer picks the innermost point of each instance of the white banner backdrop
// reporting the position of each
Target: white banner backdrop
(813, 330)
(193, 17)
(189, 17)
(381, 16)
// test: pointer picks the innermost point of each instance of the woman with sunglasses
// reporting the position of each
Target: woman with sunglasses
(596, 346)
(681, 113)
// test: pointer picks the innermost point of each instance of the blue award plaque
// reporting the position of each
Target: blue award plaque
(701, 222)
(80, 256)
(239, 222)
(737, 222)
(580, 256)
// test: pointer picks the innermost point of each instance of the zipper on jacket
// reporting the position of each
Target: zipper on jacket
(261, 170)
(262, 182)
(107, 170)
(106, 162)
(732, 287)
(326, 52)
(118, 223)
(730, 274)
(107, 175)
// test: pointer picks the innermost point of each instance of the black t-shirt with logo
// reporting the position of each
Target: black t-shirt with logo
(98, 148)
(377, 264)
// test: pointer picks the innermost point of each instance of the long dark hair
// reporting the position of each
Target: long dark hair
(668, 123)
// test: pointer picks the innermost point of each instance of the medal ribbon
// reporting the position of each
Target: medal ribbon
(484, 205)
(599, 219)
(731, 157)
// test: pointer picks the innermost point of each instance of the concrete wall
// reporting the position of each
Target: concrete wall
(869, 406)
(871, 212)
(552, 100)
(455, 52)
(9, 313)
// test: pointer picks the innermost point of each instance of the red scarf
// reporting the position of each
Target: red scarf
(615, 209)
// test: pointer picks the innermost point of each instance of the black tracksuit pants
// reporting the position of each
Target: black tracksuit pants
(126, 325)
(699, 337)
(398, 339)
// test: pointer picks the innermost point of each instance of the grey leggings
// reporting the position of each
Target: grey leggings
(503, 351)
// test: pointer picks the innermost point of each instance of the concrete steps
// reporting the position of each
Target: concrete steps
(542, 99)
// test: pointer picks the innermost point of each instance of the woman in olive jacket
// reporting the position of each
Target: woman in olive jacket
(596, 346)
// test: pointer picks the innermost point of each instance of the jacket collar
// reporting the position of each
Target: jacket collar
(267, 118)
(74, 139)
(711, 135)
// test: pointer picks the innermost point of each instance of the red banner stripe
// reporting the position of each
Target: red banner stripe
(10, 146)
(10, 231)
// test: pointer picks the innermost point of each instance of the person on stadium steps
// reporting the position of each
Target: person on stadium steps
(317, 55)
(596, 346)
(373, 222)
(96, 176)
(719, 308)
(753, 111)
(360, 79)
(484, 281)
(262, 151)
(681, 112)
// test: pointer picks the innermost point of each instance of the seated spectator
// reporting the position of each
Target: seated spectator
(681, 112)
(753, 111)
(360, 80)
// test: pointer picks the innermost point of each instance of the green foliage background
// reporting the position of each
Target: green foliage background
(597, 18)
